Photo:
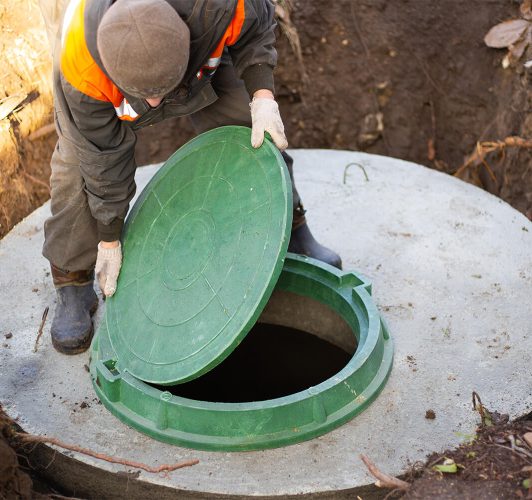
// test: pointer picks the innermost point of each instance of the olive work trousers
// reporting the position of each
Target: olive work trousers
(71, 236)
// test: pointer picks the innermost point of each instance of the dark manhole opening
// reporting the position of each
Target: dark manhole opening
(272, 361)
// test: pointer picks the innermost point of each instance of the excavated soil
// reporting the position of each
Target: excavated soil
(495, 463)
(25, 107)
(410, 79)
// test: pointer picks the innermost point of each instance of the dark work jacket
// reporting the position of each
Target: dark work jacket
(99, 119)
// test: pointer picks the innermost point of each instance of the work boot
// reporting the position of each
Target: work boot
(72, 327)
(302, 241)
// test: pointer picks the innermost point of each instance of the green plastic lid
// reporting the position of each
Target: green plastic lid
(203, 248)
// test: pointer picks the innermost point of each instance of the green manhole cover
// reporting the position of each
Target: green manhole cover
(262, 424)
(203, 248)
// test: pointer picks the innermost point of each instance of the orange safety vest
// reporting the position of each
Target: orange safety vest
(81, 71)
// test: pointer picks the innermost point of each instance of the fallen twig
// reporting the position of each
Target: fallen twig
(37, 181)
(384, 480)
(39, 333)
(518, 451)
(29, 438)
(518, 448)
(42, 132)
(478, 406)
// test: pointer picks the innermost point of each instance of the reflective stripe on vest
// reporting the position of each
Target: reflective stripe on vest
(230, 37)
(125, 111)
(80, 69)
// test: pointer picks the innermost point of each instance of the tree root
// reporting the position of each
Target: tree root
(482, 149)
(384, 480)
(29, 438)
(282, 11)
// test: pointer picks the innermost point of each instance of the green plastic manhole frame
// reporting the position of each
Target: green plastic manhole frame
(263, 424)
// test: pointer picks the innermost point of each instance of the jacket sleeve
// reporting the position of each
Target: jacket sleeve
(254, 55)
(106, 151)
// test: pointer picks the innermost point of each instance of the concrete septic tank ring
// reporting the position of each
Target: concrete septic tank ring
(263, 424)
(450, 266)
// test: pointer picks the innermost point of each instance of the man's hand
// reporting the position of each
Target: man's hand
(108, 264)
(265, 117)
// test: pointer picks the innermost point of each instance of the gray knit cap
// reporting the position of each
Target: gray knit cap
(144, 46)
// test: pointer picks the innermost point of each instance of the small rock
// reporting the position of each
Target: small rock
(430, 415)
(8, 335)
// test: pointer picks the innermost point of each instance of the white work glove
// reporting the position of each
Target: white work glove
(107, 268)
(265, 117)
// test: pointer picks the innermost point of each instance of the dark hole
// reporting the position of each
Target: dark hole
(272, 361)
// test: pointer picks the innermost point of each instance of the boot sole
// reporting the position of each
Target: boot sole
(83, 347)
(75, 350)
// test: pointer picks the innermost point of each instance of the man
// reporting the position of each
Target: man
(124, 65)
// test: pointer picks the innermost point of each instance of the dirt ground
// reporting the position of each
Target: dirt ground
(495, 463)
(410, 79)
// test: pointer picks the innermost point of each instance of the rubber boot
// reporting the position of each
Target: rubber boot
(302, 241)
(72, 328)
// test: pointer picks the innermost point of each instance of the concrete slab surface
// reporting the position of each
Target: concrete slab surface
(451, 267)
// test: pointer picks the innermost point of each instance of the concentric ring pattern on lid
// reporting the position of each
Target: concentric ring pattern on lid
(203, 248)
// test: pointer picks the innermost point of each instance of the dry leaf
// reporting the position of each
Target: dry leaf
(518, 49)
(449, 466)
(504, 34)
(526, 9)
(528, 439)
